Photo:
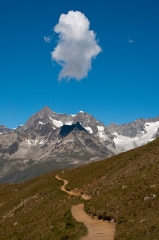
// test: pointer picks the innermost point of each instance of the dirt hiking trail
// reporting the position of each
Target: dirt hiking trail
(72, 192)
(97, 229)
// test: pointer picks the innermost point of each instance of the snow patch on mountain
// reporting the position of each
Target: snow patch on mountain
(42, 142)
(89, 130)
(56, 122)
(29, 142)
(69, 123)
(124, 143)
(151, 128)
(35, 142)
(101, 133)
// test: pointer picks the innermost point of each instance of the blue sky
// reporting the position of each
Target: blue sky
(123, 83)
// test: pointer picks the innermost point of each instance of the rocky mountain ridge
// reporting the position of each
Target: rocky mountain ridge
(61, 139)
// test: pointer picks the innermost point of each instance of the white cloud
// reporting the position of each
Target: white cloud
(77, 45)
(130, 40)
(48, 39)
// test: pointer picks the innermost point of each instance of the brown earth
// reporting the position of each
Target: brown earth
(72, 192)
(97, 229)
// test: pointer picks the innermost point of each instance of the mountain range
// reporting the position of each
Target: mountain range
(49, 141)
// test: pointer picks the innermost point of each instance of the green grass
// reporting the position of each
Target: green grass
(117, 186)
(47, 216)
(138, 171)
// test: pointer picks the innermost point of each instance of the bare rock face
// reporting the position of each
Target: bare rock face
(49, 139)
(130, 129)
(10, 149)
(4, 129)
(157, 134)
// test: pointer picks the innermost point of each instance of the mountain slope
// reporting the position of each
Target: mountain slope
(113, 136)
(134, 134)
(124, 187)
(40, 149)
(39, 146)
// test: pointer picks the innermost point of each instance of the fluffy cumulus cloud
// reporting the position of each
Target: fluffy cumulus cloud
(77, 45)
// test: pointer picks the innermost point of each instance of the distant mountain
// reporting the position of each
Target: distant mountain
(134, 134)
(4, 129)
(59, 140)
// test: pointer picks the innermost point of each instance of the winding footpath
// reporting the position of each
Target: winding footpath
(74, 193)
(97, 229)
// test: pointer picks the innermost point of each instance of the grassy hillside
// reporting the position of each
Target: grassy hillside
(34, 170)
(124, 187)
(37, 209)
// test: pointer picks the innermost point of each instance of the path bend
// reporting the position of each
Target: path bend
(97, 229)
(72, 192)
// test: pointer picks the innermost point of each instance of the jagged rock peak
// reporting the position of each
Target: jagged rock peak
(2, 126)
(45, 109)
(44, 114)
(4, 129)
